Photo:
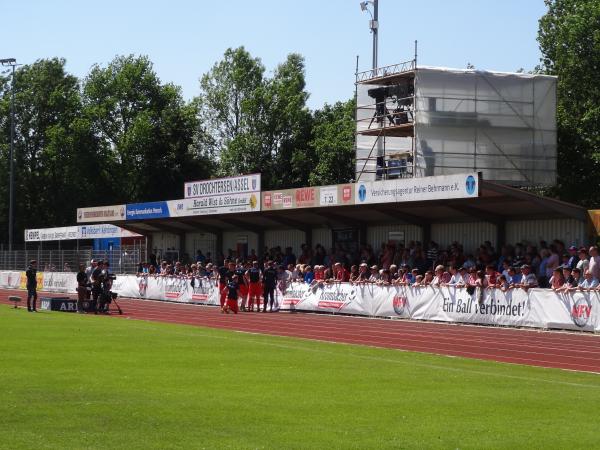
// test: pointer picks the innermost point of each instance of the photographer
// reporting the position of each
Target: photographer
(96, 280)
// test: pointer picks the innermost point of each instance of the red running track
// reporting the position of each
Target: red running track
(565, 350)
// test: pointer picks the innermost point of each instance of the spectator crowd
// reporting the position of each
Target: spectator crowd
(524, 266)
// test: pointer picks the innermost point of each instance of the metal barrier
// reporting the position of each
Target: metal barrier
(122, 260)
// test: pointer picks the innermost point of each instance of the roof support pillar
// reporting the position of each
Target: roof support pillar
(426, 230)
(500, 234)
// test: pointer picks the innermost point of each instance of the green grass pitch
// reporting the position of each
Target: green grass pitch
(71, 381)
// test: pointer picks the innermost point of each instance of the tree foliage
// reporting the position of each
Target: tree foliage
(120, 135)
(144, 131)
(569, 37)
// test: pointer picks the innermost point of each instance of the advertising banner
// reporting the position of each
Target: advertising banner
(51, 234)
(417, 189)
(222, 187)
(77, 232)
(104, 231)
(308, 197)
(537, 308)
(150, 210)
(226, 204)
(101, 213)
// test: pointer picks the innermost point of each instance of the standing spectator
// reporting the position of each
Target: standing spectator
(432, 254)
(31, 275)
(594, 266)
(584, 262)
(573, 258)
(354, 273)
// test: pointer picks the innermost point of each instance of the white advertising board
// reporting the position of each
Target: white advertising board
(418, 189)
(77, 232)
(218, 187)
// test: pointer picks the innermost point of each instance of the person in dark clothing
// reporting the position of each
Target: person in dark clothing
(269, 282)
(31, 275)
(231, 290)
(96, 280)
(223, 280)
(253, 277)
(82, 282)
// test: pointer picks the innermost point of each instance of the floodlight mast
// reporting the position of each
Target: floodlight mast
(11, 201)
(373, 25)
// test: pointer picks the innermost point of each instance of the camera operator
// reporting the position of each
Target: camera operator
(96, 281)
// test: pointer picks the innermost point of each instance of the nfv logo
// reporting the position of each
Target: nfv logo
(362, 193)
(471, 183)
(581, 312)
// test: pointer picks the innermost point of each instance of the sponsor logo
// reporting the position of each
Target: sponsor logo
(174, 288)
(332, 298)
(253, 184)
(581, 312)
(253, 201)
(293, 297)
(277, 198)
(400, 302)
(362, 193)
(305, 197)
(327, 304)
(287, 201)
(143, 286)
(470, 183)
(347, 193)
(202, 291)
(268, 200)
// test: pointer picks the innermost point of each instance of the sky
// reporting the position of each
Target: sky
(184, 38)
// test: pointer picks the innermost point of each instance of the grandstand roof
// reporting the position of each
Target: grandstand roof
(496, 204)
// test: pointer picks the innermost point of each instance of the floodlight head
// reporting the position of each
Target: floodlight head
(363, 6)
(8, 61)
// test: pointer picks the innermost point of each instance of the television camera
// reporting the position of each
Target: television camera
(401, 94)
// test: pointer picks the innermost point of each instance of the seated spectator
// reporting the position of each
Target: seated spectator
(374, 277)
(440, 276)
(340, 273)
(588, 282)
(514, 277)
(309, 275)
(385, 277)
(354, 275)
(503, 283)
(557, 280)
(528, 279)
(491, 276)
(570, 282)
(459, 278)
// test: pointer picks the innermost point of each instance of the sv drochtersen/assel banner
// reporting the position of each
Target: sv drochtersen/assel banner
(537, 308)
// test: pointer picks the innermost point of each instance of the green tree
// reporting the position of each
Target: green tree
(254, 123)
(569, 37)
(54, 151)
(145, 130)
(229, 107)
(333, 144)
